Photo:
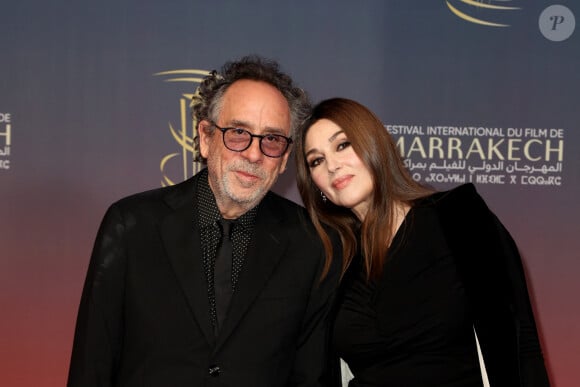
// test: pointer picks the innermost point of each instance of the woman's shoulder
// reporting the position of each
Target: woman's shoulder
(464, 216)
(465, 192)
(459, 200)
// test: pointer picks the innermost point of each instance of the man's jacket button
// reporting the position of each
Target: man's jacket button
(214, 370)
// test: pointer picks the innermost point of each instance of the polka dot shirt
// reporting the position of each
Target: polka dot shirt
(210, 231)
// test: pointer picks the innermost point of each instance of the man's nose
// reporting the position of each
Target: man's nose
(253, 153)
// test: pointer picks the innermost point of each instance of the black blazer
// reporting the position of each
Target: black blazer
(144, 314)
(492, 271)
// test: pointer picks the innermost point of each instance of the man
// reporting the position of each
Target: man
(159, 308)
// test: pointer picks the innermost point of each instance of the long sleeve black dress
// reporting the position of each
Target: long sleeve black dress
(414, 326)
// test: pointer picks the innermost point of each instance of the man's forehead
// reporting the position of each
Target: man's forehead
(255, 105)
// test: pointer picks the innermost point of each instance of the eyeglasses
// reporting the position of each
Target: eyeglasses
(238, 140)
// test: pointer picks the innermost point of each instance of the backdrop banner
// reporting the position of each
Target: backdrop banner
(94, 105)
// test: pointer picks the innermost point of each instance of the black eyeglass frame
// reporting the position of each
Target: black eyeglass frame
(288, 140)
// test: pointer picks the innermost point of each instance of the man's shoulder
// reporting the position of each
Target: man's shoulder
(282, 201)
(173, 195)
(284, 206)
(291, 215)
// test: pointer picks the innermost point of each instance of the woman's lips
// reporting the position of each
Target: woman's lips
(341, 182)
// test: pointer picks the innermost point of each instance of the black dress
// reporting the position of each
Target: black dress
(411, 328)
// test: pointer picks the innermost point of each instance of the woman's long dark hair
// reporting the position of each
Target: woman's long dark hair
(393, 185)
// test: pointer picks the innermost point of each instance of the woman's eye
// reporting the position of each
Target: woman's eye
(314, 162)
(343, 145)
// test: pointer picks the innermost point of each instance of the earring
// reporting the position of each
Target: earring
(323, 196)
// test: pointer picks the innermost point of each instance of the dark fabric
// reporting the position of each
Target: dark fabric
(144, 317)
(411, 328)
(491, 268)
(223, 271)
(471, 253)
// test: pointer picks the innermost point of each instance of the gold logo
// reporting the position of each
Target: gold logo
(183, 133)
(478, 11)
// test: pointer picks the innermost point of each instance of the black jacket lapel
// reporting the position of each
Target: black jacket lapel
(182, 243)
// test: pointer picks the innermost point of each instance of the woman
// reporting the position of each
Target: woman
(421, 269)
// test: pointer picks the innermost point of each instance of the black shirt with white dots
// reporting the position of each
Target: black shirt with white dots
(210, 234)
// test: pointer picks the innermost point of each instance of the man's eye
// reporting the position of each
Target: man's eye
(271, 138)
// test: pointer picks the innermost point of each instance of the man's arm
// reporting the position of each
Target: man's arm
(98, 338)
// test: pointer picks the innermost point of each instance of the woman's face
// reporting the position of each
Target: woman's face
(336, 169)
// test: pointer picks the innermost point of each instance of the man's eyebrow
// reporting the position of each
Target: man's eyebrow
(244, 124)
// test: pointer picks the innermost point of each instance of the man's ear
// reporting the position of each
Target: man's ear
(204, 137)
(284, 163)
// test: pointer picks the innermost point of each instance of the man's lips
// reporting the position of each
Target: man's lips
(247, 175)
(341, 182)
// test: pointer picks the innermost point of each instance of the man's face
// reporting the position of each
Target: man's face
(239, 180)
